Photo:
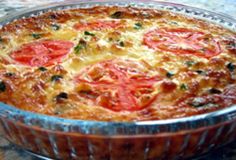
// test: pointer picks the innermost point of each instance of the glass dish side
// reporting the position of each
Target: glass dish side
(77, 139)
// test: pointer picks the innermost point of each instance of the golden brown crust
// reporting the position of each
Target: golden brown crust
(37, 23)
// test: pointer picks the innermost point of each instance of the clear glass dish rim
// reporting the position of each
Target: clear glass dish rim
(109, 128)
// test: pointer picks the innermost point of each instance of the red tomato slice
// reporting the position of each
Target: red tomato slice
(42, 53)
(182, 41)
(118, 89)
(97, 25)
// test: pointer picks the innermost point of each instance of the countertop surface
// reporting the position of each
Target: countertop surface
(9, 152)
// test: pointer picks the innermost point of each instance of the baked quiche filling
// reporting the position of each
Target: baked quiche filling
(117, 64)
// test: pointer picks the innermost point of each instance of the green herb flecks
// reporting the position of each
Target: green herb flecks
(200, 102)
(200, 72)
(110, 39)
(138, 26)
(81, 45)
(78, 48)
(169, 74)
(87, 33)
(230, 66)
(183, 87)
(55, 27)
(189, 63)
(61, 96)
(36, 36)
(2, 86)
(214, 91)
(116, 15)
(174, 22)
(9, 74)
(121, 43)
(42, 69)
(56, 78)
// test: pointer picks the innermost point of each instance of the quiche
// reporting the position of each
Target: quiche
(117, 64)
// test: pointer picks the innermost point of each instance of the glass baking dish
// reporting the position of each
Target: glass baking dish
(78, 139)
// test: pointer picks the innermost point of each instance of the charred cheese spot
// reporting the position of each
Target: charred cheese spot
(168, 86)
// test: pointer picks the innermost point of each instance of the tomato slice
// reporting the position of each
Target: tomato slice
(182, 41)
(97, 25)
(117, 89)
(42, 53)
